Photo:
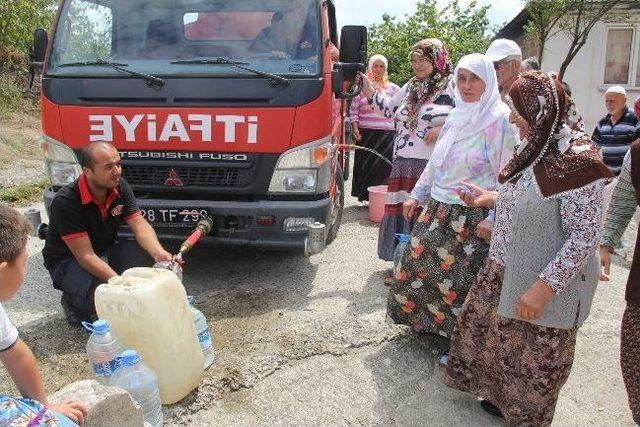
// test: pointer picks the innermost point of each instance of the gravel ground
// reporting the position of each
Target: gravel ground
(303, 341)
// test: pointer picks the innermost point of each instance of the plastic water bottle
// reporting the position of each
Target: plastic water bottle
(142, 384)
(204, 334)
(403, 240)
(102, 348)
(171, 266)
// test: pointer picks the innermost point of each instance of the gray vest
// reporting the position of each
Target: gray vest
(536, 238)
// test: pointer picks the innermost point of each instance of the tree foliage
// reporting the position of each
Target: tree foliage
(463, 30)
(573, 18)
(18, 20)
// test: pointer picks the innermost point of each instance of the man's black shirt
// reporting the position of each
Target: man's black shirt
(74, 214)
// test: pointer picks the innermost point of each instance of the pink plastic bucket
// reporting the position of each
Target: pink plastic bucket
(377, 200)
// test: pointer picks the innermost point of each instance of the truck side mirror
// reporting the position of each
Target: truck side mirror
(353, 49)
(40, 42)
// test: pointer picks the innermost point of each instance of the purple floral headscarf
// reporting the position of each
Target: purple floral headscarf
(422, 91)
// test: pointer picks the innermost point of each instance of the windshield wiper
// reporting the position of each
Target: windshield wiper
(278, 80)
(151, 80)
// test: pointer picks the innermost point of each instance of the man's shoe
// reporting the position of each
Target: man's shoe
(74, 317)
(491, 408)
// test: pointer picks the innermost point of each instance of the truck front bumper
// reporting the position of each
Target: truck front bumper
(236, 223)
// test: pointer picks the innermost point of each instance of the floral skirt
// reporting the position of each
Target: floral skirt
(29, 413)
(516, 365)
(404, 174)
(437, 268)
(630, 357)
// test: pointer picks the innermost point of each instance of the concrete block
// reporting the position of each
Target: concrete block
(108, 406)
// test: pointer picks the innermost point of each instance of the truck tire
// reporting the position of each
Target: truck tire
(335, 225)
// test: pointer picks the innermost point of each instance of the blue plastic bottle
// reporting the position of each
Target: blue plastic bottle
(403, 240)
(102, 348)
(142, 384)
(204, 334)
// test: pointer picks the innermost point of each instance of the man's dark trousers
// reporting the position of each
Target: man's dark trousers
(78, 285)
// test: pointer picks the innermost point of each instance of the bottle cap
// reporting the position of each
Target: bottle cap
(128, 357)
(402, 237)
(100, 326)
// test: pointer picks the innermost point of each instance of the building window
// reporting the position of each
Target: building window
(618, 56)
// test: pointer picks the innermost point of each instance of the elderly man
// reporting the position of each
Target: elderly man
(530, 64)
(80, 251)
(506, 56)
(617, 130)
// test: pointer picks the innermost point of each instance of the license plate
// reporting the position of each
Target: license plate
(184, 217)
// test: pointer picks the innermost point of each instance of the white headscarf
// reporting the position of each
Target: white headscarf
(380, 58)
(470, 118)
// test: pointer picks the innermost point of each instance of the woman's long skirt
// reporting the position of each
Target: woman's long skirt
(437, 268)
(516, 365)
(369, 169)
(630, 357)
(404, 174)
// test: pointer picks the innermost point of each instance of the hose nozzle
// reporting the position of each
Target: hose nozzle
(203, 227)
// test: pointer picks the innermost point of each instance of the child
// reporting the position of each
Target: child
(33, 409)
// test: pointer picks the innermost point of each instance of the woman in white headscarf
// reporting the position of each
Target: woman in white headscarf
(446, 250)
(372, 129)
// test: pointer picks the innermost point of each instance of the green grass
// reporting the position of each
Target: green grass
(23, 195)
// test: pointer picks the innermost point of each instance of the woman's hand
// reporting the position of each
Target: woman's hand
(484, 230)
(356, 132)
(477, 197)
(605, 262)
(75, 411)
(531, 305)
(408, 208)
(432, 135)
(367, 87)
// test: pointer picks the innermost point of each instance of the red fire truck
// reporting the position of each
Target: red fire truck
(231, 108)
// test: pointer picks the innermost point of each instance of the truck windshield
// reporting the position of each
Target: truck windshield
(160, 37)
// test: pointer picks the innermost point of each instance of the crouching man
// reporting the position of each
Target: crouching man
(81, 251)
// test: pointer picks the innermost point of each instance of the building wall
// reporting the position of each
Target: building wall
(585, 75)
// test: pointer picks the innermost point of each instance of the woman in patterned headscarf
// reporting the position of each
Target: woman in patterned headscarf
(419, 110)
(514, 339)
(371, 129)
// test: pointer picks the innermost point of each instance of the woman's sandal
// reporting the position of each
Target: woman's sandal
(491, 408)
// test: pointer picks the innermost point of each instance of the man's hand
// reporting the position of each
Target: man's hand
(162, 255)
(484, 230)
(408, 208)
(605, 262)
(531, 305)
(75, 411)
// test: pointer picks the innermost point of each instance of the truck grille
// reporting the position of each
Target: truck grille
(227, 177)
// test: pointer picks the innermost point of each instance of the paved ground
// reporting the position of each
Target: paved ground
(304, 341)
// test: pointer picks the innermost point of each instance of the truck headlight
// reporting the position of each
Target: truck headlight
(60, 162)
(304, 170)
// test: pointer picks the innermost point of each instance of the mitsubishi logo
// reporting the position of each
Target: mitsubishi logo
(173, 180)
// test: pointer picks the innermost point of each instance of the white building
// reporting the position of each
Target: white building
(610, 57)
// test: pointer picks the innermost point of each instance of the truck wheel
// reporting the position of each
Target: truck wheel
(338, 206)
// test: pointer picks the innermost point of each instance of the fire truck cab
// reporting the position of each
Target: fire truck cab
(231, 108)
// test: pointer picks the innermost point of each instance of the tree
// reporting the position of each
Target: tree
(18, 20)
(574, 18)
(544, 16)
(463, 30)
